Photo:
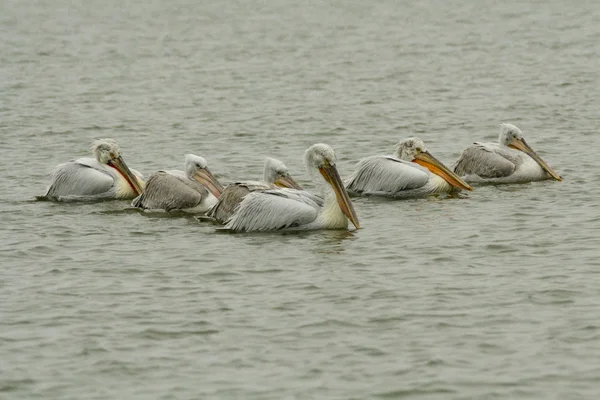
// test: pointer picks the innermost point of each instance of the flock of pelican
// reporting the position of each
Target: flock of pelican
(278, 202)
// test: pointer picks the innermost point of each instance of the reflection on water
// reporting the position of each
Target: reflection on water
(334, 242)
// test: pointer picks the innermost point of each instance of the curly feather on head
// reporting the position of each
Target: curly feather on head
(105, 150)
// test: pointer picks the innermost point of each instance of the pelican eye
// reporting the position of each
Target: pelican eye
(418, 150)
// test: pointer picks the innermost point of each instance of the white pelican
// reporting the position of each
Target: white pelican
(195, 190)
(275, 175)
(511, 160)
(88, 179)
(411, 172)
(291, 209)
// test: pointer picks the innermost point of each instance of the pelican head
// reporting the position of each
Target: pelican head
(414, 150)
(509, 133)
(277, 173)
(321, 157)
(196, 168)
(512, 137)
(107, 152)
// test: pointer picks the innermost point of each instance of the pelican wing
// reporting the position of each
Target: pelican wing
(312, 199)
(83, 179)
(386, 175)
(272, 210)
(233, 195)
(229, 200)
(301, 196)
(486, 161)
(255, 185)
(165, 191)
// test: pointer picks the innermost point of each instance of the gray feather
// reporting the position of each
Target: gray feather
(80, 180)
(384, 175)
(233, 195)
(301, 196)
(273, 210)
(229, 200)
(486, 161)
(165, 191)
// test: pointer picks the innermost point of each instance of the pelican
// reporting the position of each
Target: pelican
(290, 209)
(411, 172)
(511, 160)
(275, 175)
(90, 179)
(195, 190)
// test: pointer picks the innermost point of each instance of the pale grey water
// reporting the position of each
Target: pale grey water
(496, 295)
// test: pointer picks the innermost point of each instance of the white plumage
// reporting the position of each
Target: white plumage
(400, 176)
(274, 209)
(103, 178)
(511, 160)
(292, 209)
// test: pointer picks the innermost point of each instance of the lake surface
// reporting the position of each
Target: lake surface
(492, 295)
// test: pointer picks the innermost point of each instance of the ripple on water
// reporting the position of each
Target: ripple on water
(490, 295)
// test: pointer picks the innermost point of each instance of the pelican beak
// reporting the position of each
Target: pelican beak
(521, 144)
(287, 182)
(425, 159)
(204, 177)
(332, 176)
(135, 183)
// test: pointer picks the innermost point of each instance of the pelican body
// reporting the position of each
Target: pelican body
(511, 160)
(105, 177)
(411, 172)
(275, 175)
(195, 190)
(271, 210)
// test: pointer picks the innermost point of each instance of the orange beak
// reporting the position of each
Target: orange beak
(332, 176)
(135, 183)
(287, 182)
(428, 161)
(204, 177)
(521, 144)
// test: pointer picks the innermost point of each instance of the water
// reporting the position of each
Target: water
(495, 295)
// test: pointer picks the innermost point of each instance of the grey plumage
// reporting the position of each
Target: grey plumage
(387, 176)
(190, 190)
(510, 160)
(297, 209)
(273, 171)
(168, 192)
(232, 196)
(104, 177)
(411, 172)
(273, 210)
(487, 160)
(74, 177)
(84, 179)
